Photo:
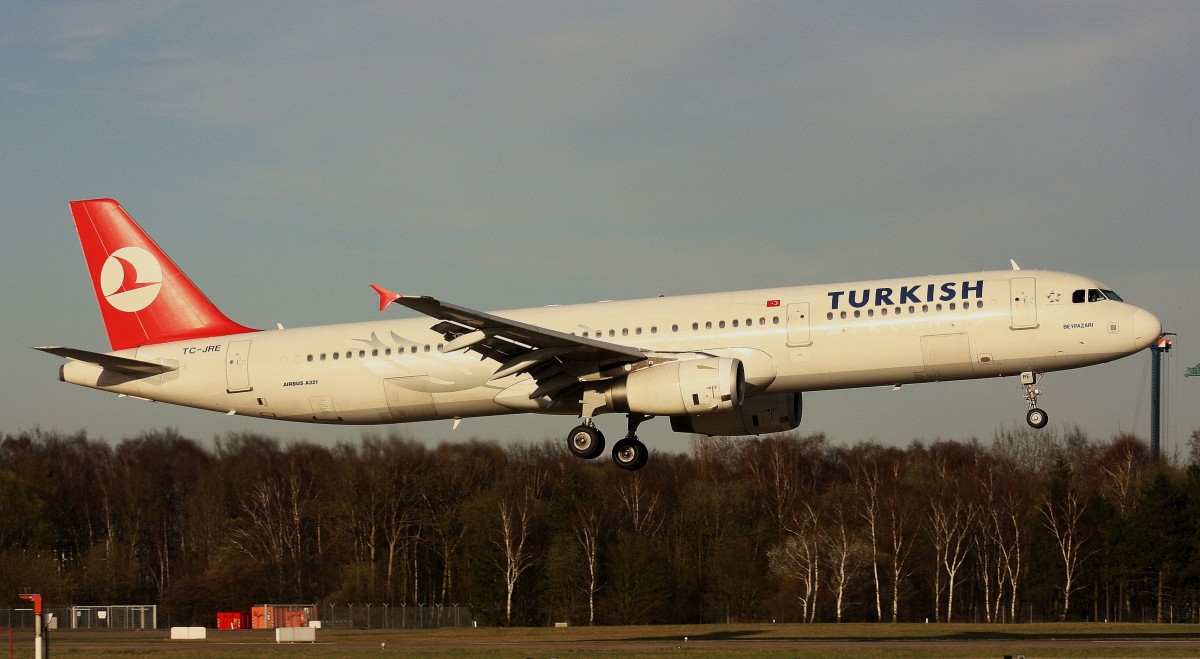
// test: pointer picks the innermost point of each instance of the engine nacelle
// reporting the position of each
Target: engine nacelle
(757, 415)
(692, 386)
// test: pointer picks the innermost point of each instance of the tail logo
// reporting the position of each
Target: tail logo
(130, 279)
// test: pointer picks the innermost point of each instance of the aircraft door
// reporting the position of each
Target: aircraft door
(237, 367)
(1023, 300)
(799, 329)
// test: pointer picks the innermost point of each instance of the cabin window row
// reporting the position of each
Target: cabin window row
(911, 309)
(374, 352)
(708, 325)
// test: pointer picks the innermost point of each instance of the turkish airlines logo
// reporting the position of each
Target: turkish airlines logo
(130, 279)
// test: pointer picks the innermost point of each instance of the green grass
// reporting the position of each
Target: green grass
(762, 640)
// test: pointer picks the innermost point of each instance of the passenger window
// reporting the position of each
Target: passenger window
(310, 358)
(675, 328)
(695, 326)
(721, 324)
(336, 355)
(829, 316)
(735, 322)
(708, 325)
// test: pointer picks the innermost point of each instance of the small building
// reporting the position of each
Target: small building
(274, 616)
(233, 620)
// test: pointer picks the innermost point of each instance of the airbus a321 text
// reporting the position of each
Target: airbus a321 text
(715, 364)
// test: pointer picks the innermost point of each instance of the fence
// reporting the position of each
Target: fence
(122, 616)
(396, 616)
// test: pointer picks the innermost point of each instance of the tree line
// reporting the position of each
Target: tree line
(786, 527)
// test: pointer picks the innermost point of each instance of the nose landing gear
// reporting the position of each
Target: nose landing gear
(1035, 417)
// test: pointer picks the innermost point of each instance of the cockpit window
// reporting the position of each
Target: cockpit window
(1094, 295)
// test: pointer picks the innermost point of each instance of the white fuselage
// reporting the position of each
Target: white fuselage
(796, 339)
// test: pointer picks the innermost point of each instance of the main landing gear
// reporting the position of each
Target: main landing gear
(586, 441)
(1036, 417)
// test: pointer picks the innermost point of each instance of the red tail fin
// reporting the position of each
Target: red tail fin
(143, 296)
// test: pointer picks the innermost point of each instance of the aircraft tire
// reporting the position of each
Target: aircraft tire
(630, 454)
(1037, 418)
(586, 442)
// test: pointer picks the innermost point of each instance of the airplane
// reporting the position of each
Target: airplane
(726, 364)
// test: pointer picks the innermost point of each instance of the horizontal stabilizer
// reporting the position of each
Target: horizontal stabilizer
(125, 365)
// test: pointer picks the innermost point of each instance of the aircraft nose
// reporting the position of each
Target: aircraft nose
(1146, 328)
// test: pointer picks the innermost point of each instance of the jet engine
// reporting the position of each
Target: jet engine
(758, 415)
(692, 386)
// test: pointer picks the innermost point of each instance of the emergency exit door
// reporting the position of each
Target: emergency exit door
(1022, 299)
(237, 367)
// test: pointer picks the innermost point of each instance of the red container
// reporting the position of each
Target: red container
(233, 620)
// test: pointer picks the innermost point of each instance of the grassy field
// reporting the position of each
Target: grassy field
(783, 640)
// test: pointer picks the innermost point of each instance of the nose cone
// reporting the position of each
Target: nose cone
(1146, 328)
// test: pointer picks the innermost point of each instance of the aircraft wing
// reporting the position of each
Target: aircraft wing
(134, 367)
(519, 347)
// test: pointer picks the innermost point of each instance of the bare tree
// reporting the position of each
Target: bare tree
(900, 516)
(512, 538)
(271, 527)
(642, 503)
(1062, 515)
(950, 520)
(843, 552)
(586, 526)
(798, 557)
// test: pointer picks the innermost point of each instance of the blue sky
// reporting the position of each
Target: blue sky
(501, 155)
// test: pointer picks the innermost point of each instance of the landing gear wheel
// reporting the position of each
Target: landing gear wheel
(586, 442)
(1037, 418)
(630, 454)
